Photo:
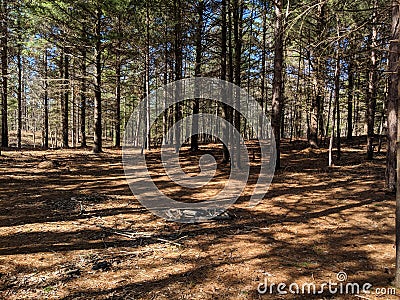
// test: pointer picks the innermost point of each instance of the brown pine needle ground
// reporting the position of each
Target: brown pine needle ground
(71, 229)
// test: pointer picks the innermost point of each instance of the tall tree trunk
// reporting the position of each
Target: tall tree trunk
(165, 82)
(83, 99)
(238, 7)
(263, 68)
(277, 91)
(337, 102)
(98, 143)
(197, 73)
(61, 91)
(178, 69)
(230, 110)
(330, 156)
(350, 97)
(318, 81)
(147, 80)
(225, 107)
(65, 104)
(371, 92)
(393, 128)
(19, 94)
(118, 87)
(46, 101)
(4, 73)
(392, 105)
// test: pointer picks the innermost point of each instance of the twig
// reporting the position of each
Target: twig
(135, 235)
(362, 297)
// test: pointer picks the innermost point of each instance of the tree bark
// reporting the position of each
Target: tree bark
(197, 73)
(83, 99)
(317, 100)
(394, 127)
(225, 107)
(118, 86)
(263, 68)
(4, 73)
(147, 79)
(46, 101)
(392, 103)
(19, 95)
(237, 34)
(98, 142)
(65, 104)
(371, 92)
(337, 102)
(350, 97)
(277, 92)
(178, 70)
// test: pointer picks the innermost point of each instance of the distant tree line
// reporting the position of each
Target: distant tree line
(72, 71)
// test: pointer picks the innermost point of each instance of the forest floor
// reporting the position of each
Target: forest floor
(70, 228)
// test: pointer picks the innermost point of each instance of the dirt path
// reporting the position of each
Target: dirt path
(71, 229)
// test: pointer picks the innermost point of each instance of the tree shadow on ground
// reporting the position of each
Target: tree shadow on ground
(314, 222)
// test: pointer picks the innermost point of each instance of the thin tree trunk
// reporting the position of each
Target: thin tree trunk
(223, 77)
(317, 100)
(237, 33)
(263, 68)
(330, 156)
(277, 93)
(147, 80)
(118, 88)
(98, 143)
(178, 70)
(4, 73)
(350, 97)
(230, 79)
(371, 93)
(329, 116)
(394, 127)
(83, 100)
(165, 82)
(337, 102)
(197, 73)
(19, 94)
(65, 104)
(46, 101)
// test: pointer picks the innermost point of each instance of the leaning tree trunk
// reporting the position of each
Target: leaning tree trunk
(277, 91)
